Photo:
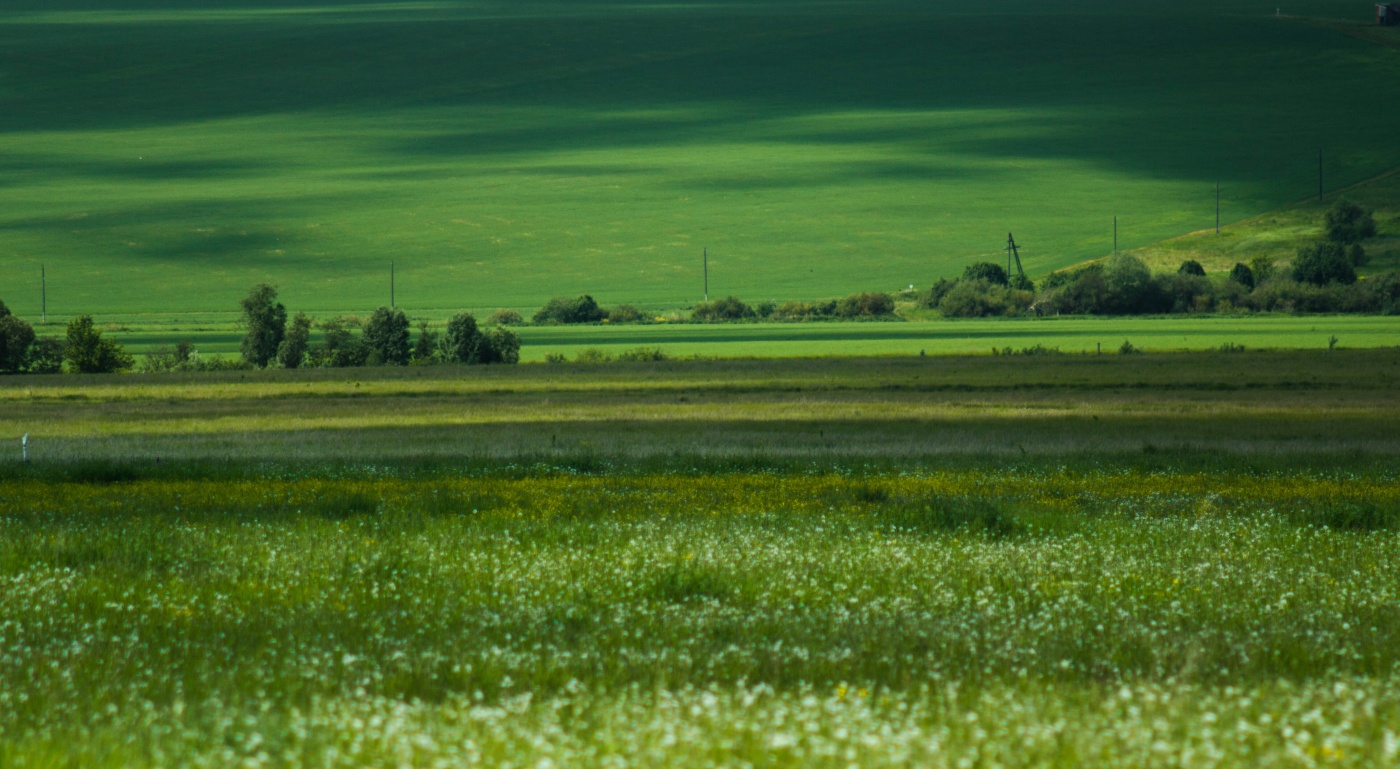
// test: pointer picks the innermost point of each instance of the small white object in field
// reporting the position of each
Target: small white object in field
(24, 447)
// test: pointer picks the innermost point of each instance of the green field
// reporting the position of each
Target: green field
(219, 336)
(1119, 561)
(161, 157)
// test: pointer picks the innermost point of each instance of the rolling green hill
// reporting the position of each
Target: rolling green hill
(160, 157)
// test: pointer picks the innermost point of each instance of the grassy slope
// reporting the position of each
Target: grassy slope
(1278, 234)
(165, 159)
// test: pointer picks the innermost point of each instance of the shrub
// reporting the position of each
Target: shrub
(1284, 295)
(562, 309)
(1357, 255)
(592, 355)
(505, 318)
(46, 356)
(166, 358)
(1186, 292)
(1242, 275)
(1130, 288)
(1263, 269)
(1191, 267)
(463, 341)
(979, 299)
(936, 293)
(985, 271)
(728, 308)
(266, 321)
(500, 345)
(1347, 223)
(88, 352)
(1080, 292)
(1323, 263)
(387, 337)
(425, 350)
(797, 310)
(625, 313)
(340, 347)
(297, 343)
(1127, 348)
(554, 357)
(865, 305)
(1022, 283)
(16, 339)
(766, 309)
(643, 354)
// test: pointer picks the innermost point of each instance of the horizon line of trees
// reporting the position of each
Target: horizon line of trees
(269, 341)
(384, 339)
(1321, 278)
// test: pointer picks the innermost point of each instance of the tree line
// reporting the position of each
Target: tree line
(270, 340)
(384, 339)
(1321, 278)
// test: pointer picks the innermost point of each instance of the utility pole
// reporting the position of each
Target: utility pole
(44, 294)
(705, 254)
(1217, 208)
(391, 286)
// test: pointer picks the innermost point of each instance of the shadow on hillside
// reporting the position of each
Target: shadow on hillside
(1199, 98)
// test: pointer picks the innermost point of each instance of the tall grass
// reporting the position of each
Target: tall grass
(771, 618)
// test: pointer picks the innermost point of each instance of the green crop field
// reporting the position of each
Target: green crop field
(1118, 561)
(161, 157)
(219, 336)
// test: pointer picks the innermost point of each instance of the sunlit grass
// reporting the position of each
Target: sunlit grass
(162, 161)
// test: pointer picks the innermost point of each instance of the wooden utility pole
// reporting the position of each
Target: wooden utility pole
(705, 255)
(44, 294)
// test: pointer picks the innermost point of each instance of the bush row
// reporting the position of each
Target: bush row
(270, 341)
(584, 309)
(384, 339)
(1319, 281)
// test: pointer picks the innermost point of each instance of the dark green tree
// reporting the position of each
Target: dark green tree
(991, 272)
(266, 322)
(386, 335)
(563, 309)
(88, 352)
(1347, 223)
(297, 343)
(1263, 269)
(16, 338)
(1242, 275)
(1191, 267)
(340, 347)
(1357, 255)
(728, 308)
(463, 341)
(426, 348)
(1130, 288)
(501, 346)
(1323, 263)
(46, 356)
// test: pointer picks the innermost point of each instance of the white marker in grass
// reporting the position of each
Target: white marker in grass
(24, 447)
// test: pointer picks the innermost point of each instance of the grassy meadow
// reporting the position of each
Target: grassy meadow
(161, 157)
(1159, 560)
(219, 335)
